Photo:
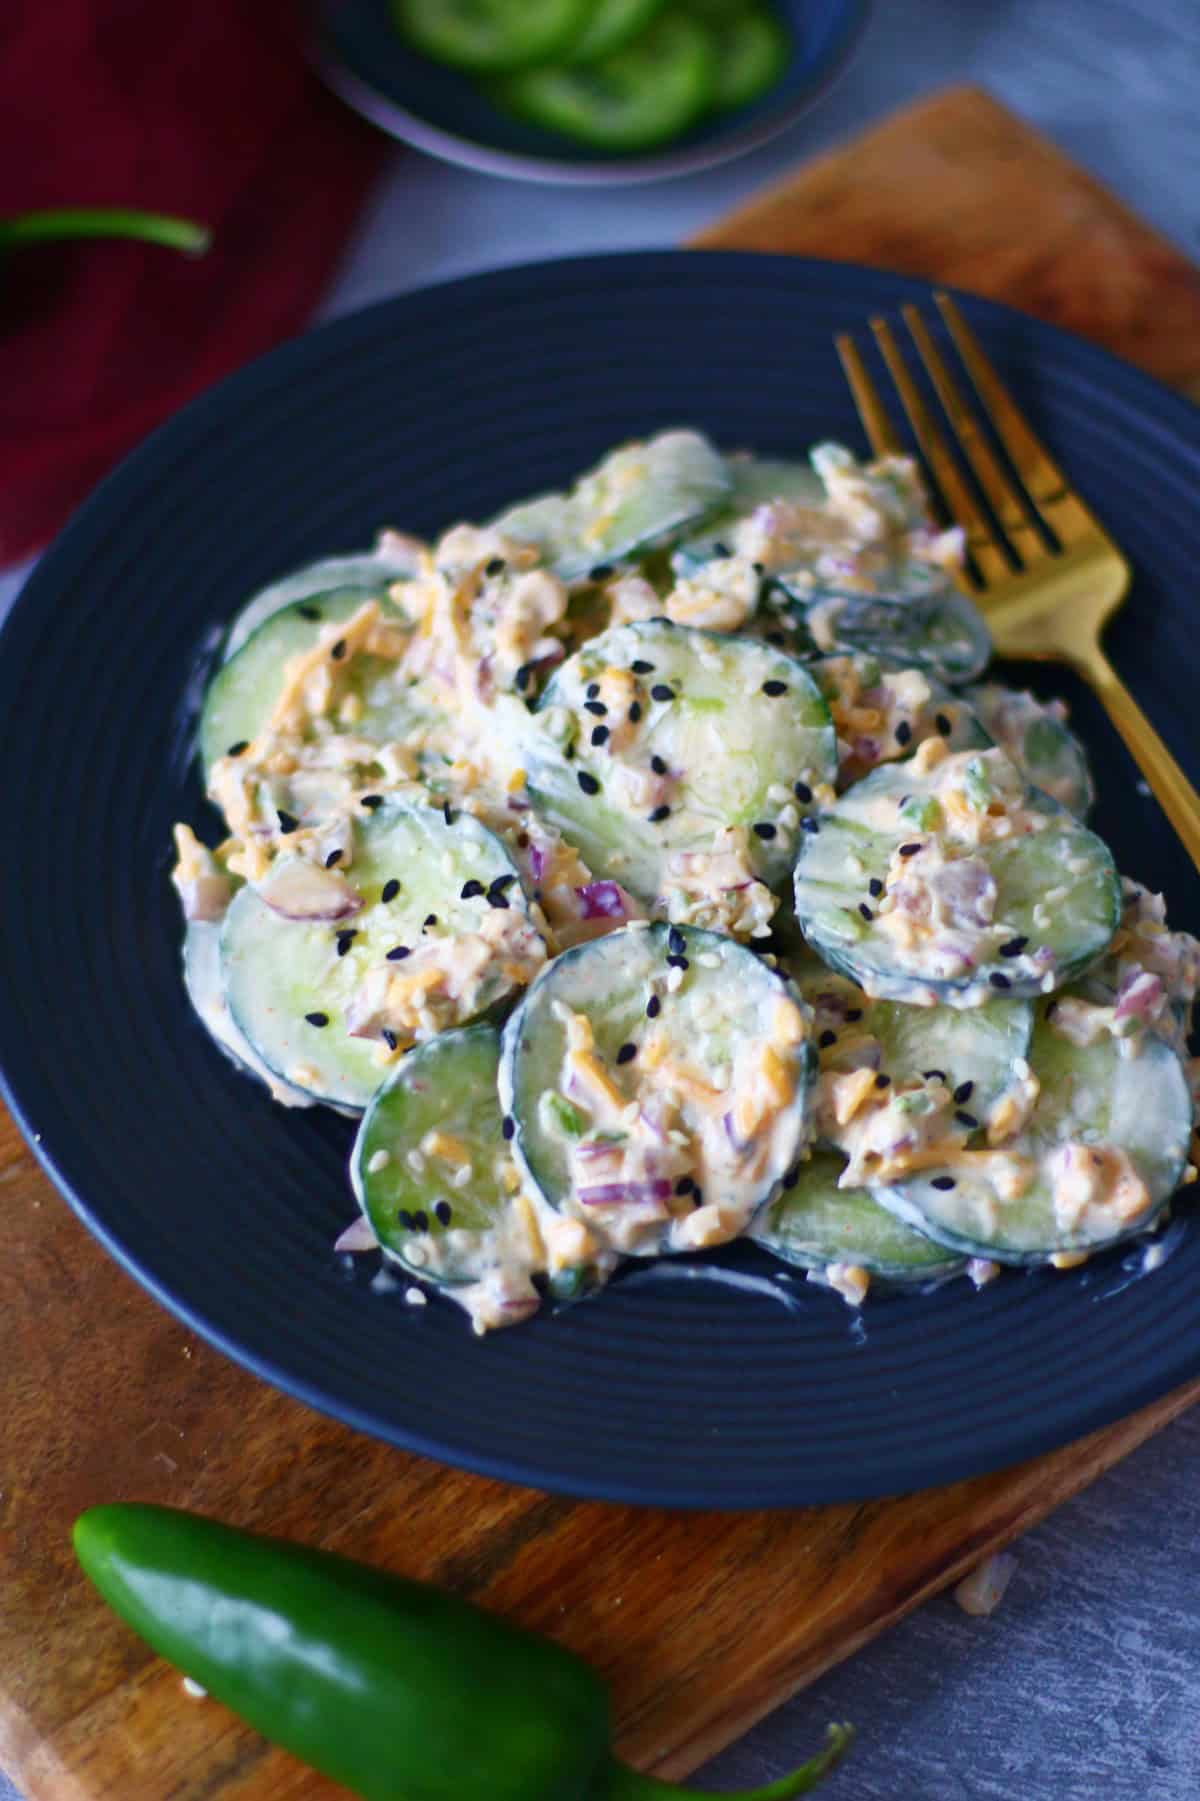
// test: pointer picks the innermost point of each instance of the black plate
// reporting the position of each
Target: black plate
(670, 1388)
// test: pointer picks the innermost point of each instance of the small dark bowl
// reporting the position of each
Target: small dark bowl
(363, 58)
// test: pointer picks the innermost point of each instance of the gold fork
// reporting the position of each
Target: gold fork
(1044, 602)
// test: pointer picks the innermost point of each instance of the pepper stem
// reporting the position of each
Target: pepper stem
(106, 222)
(619, 1783)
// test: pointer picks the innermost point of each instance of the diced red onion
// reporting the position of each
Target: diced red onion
(602, 900)
(1139, 994)
(537, 862)
(611, 1194)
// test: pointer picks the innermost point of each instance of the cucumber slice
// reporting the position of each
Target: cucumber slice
(611, 25)
(1018, 915)
(976, 1053)
(883, 712)
(713, 729)
(816, 1224)
(206, 991)
(285, 976)
(1039, 742)
(754, 482)
(440, 1227)
(753, 49)
(366, 573)
(641, 95)
(938, 630)
(676, 1142)
(490, 36)
(636, 498)
(1112, 1096)
(243, 692)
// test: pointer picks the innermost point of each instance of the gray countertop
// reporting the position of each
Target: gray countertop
(1086, 1682)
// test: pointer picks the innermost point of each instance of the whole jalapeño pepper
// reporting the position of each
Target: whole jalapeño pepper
(395, 1689)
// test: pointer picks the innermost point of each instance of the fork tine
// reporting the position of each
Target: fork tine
(982, 543)
(1062, 510)
(1006, 503)
(881, 435)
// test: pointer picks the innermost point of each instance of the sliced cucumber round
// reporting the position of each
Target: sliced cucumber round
(206, 990)
(814, 1224)
(611, 25)
(655, 737)
(243, 693)
(1039, 742)
(638, 96)
(328, 1002)
(488, 36)
(939, 630)
(366, 573)
(913, 912)
(638, 497)
(883, 711)
(1102, 1153)
(657, 1082)
(754, 482)
(435, 1118)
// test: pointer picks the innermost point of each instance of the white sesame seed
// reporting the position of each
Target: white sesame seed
(378, 1160)
(415, 1297)
(415, 1162)
(462, 1177)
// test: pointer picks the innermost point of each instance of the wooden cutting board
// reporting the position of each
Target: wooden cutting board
(702, 1622)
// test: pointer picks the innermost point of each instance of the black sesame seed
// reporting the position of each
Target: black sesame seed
(865, 911)
(444, 1212)
(661, 691)
(653, 1007)
(658, 765)
(599, 735)
(522, 677)
(307, 611)
(406, 1219)
(676, 941)
(943, 724)
(371, 801)
(763, 829)
(760, 569)
(966, 1119)
(498, 899)
(803, 792)
(792, 1177)
(934, 1075)
(659, 813)
(875, 886)
(345, 939)
(509, 1126)
(420, 1220)
(398, 953)
(826, 1039)
(470, 889)
(390, 890)
(627, 1053)
(903, 732)
(587, 782)
(596, 708)
(635, 711)
(431, 919)
(641, 667)
(853, 1013)
(910, 850)
(335, 856)
(495, 567)
(600, 572)
(338, 650)
(883, 1081)
(774, 689)
(942, 1182)
(776, 638)
(722, 550)
(287, 821)
(592, 689)
(447, 812)
(963, 1093)
(809, 824)
(1014, 947)
(317, 1019)
(389, 1038)
(685, 1185)
(501, 882)
(237, 750)
(999, 981)
(698, 1198)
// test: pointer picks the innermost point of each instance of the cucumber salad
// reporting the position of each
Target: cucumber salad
(648, 868)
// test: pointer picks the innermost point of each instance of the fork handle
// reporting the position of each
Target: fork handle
(1171, 788)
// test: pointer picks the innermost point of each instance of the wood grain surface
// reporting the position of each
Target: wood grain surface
(702, 1623)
